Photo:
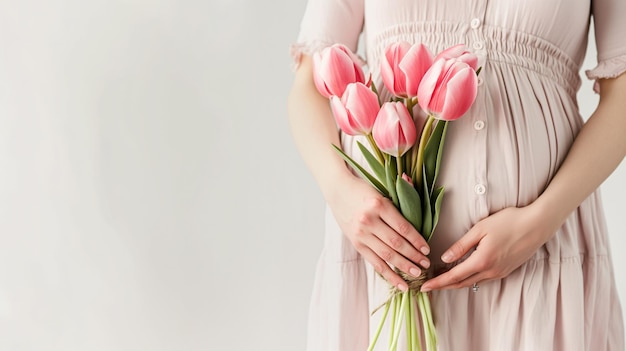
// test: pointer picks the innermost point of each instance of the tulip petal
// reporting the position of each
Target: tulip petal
(342, 116)
(393, 77)
(460, 95)
(452, 52)
(317, 77)
(362, 103)
(394, 130)
(414, 65)
(428, 85)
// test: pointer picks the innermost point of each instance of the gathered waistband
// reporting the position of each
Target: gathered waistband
(496, 45)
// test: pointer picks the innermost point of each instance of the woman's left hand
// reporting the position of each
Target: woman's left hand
(503, 241)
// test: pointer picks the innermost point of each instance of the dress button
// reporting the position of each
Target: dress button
(478, 45)
(479, 81)
(479, 125)
(475, 23)
(480, 189)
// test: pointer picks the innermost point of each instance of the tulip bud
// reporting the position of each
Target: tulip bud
(460, 53)
(448, 89)
(407, 178)
(403, 67)
(357, 109)
(394, 130)
(334, 68)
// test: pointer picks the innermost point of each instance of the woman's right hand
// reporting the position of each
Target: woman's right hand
(378, 231)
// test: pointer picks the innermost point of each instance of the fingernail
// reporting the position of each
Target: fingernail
(425, 289)
(446, 257)
(425, 263)
(415, 272)
(425, 250)
(403, 287)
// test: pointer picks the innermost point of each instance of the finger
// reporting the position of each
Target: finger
(462, 246)
(391, 256)
(397, 222)
(399, 243)
(456, 275)
(469, 282)
(383, 269)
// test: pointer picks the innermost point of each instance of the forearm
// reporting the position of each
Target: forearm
(597, 151)
(314, 130)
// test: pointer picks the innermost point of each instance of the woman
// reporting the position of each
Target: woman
(522, 218)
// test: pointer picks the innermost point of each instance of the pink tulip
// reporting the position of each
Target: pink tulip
(448, 89)
(334, 68)
(394, 130)
(357, 109)
(404, 66)
(460, 53)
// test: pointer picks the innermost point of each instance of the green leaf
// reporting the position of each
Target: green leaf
(440, 154)
(433, 152)
(427, 217)
(362, 172)
(438, 200)
(410, 203)
(390, 174)
(377, 167)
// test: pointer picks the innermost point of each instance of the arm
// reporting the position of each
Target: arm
(371, 222)
(508, 238)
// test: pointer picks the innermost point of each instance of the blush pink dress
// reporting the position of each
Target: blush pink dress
(502, 153)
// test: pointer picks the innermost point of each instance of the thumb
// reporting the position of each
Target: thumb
(462, 246)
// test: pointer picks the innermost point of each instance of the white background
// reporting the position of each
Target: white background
(150, 195)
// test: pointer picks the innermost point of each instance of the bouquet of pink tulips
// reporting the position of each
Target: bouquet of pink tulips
(405, 149)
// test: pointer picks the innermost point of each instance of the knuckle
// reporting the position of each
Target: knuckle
(455, 279)
(386, 255)
(359, 233)
(376, 203)
(395, 242)
(483, 264)
(359, 245)
(404, 228)
(364, 219)
(458, 247)
(379, 267)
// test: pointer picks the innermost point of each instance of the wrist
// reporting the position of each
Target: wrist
(549, 217)
(333, 184)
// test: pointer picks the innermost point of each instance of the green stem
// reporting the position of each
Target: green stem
(394, 301)
(431, 322)
(414, 331)
(399, 165)
(417, 170)
(403, 306)
(427, 322)
(380, 326)
(409, 334)
(379, 154)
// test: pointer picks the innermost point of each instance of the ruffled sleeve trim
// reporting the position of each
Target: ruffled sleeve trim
(298, 49)
(610, 68)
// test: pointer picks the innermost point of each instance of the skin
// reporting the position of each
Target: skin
(503, 240)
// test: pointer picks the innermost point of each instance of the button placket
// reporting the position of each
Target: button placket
(475, 23)
(479, 125)
(478, 45)
(480, 189)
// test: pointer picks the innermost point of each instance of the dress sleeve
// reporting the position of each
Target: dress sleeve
(328, 22)
(610, 32)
